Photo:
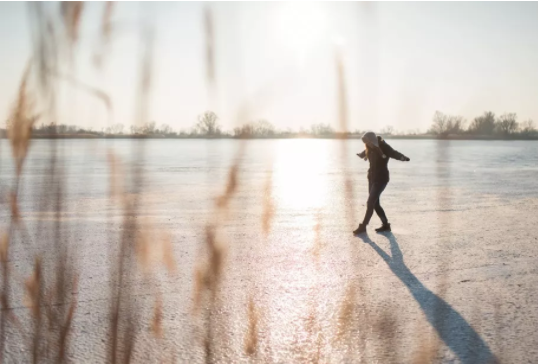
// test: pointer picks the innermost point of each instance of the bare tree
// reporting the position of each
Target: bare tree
(484, 124)
(322, 129)
(148, 128)
(117, 129)
(245, 131)
(260, 128)
(207, 124)
(439, 123)
(527, 127)
(166, 129)
(456, 124)
(264, 128)
(507, 124)
(444, 125)
(387, 130)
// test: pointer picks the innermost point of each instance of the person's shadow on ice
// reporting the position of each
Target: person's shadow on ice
(451, 327)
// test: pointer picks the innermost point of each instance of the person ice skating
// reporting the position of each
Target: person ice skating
(377, 152)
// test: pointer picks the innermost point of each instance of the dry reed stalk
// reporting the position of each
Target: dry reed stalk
(153, 247)
(215, 264)
(33, 286)
(209, 273)
(313, 330)
(343, 123)
(19, 130)
(89, 89)
(223, 200)
(124, 309)
(106, 30)
(207, 276)
(116, 174)
(66, 328)
(4, 247)
(251, 338)
(200, 283)
(318, 354)
(106, 26)
(49, 61)
(346, 313)
(427, 349)
(34, 299)
(210, 47)
(156, 323)
(268, 204)
(21, 121)
(385, 328)
(72, 14)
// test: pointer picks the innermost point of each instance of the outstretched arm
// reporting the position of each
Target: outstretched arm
(362, 154)
(392, 153)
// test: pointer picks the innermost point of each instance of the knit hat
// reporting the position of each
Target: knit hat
(370, 138)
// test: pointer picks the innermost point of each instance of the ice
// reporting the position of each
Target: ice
(464, 221)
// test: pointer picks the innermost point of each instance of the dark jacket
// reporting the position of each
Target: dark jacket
(379, 171)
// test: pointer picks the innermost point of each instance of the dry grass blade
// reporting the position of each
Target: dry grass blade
(268, 205)
(21, 121)
(154, 247)
(156, 322)
(342, 94)
(216, 257)
(71, 14)
(94, 91)
(385, 328)
(66, 329)
(426, 352)
(207, 274)
(106, 26)
(167, 253)
(144, 249)
(343, 121)
(200, 283)
(251, 338)
(346, 313)
(210, 51)
(106, 30)
(15, 214)
(116, 174)
(231, 186)
(316, 249)
(32, 286)
(4, 247)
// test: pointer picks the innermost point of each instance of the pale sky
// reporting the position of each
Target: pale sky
(403, 62)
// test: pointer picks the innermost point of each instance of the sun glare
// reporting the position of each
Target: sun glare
(299, 181)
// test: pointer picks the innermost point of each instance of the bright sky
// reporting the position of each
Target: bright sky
(403, 62)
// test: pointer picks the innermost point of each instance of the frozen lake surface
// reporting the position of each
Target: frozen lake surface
(460, 266)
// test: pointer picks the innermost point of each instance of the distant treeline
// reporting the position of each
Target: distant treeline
(207, 126)
(486, 126)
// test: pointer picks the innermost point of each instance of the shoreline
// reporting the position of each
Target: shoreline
(412, 137)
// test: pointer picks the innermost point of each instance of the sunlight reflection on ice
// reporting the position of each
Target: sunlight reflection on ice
(299, 181)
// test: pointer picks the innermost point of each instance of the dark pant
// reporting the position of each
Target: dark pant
(375, 189)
